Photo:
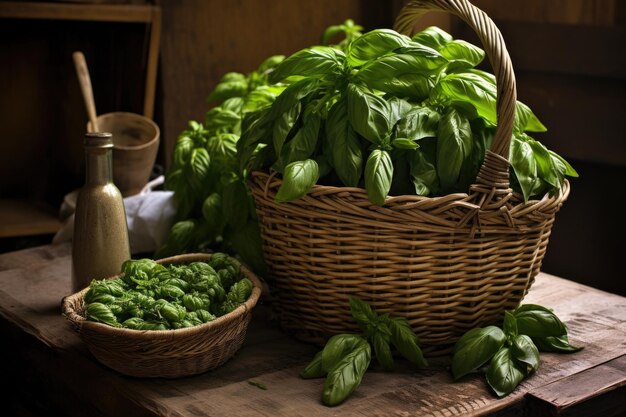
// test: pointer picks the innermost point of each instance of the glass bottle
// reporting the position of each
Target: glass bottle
(100, 244)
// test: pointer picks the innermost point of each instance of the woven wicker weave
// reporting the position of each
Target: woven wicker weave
(447, 263)
(165, 353)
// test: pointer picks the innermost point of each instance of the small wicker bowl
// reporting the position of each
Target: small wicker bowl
(165, 353)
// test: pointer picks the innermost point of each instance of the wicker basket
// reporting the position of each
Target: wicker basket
(447, 263)
(165, 353)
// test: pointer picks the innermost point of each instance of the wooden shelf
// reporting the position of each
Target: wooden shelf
(25, 218)
(129, 13)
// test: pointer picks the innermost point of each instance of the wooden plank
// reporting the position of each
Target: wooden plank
(24, 218)
(154, 47)
(33, 282)
(87, 12)
(566, 396)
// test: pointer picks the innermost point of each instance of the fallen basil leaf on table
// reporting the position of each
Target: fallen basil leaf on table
(347, 374)
(524, 350)
(555, 344)
(504, 373)
(475, 348)
(258, 384)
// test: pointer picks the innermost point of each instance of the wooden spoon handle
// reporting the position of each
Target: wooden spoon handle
(85, 87)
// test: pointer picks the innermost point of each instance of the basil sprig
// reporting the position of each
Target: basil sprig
(509, 354)
(394, 115)
(346, 357)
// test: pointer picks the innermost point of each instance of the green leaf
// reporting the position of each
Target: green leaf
(299, 177)
(433, 37)
(539, 322)
(212, 212)
(563, 166)
(378, 176)
(463, 55)
(235, 204)
(314, 368)
(398, 108)
(246, 242)
(283, 125)
(406, 341)
(304, 141)
(382, 351)
(197, 169)
(270, 63)
(525, 119)
(453, 147)
(423, 173)
(418, 123)
(317, 61)
(373, 44)
(347, 156)
(524, 165)
(182, 151)
(337, 347)
(547, 170)
(346, 376)
(232, 84)
(403, 143)
(475, 348)
(362, 312)
(368, 114)
(504, 374)
(471, 88)
(559, 344)
(510, 325)
(524, 350)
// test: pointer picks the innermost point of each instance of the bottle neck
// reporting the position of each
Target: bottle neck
(99, 166)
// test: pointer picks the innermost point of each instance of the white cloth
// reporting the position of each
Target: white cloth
(149, 215)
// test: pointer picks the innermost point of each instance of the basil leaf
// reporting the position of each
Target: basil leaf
(539, 322)
(182, 151)
(304, 142)
(524, 165)
(475, 348)
(347, 156)
(232, 84)
(453, 146)
(405, 73)
(337, 347)
(299, 177)
(212, 212)
(470, 88)
(316, 61)
(406, 341)
(563, 166)
(235, 204)
(558, 344)
(510, 325)
(362, 313)
(314, 368)
(378, 176)
(547, 170)
(197, 169)
(382, 351)
(283, 125)
(462, 55)
(373, 44)
(524, 350)
(346, 376)
(433, 37)
(418, 123)
(247, 243)
(525, 119)
(368, 114)
(423, 173)
(403, 143)
(504, 374)
(398, 108)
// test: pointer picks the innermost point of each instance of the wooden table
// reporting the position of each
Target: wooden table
(50, 371)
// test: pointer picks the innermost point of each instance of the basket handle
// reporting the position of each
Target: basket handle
(493, 178)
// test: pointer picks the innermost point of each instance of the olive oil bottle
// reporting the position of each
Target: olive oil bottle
(100, 243)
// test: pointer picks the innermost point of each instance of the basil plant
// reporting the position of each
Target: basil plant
(394, 115)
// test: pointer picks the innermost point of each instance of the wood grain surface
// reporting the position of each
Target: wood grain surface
(50, 354)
